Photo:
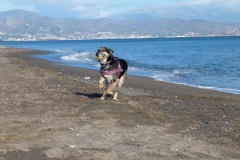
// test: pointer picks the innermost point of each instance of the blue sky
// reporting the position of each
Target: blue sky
(90, 9)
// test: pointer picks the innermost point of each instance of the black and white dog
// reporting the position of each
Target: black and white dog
(113, 70)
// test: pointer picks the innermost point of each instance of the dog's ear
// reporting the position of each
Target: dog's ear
(110, 51)
(100, 49)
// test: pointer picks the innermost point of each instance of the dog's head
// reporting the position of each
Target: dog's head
(104, 55)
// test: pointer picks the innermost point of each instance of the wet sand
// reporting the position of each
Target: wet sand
(53, 112)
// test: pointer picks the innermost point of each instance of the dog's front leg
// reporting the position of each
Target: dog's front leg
(105, 92)
(100, 82)
(104, 95)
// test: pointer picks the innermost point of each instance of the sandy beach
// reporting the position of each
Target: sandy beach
(53, 112)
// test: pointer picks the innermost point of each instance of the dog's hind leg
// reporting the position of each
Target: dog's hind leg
(115, 95)
(109, 91)
(120, 83)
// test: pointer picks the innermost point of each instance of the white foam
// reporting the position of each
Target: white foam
(181, 72)
(97, 65)
(82, 57)
(163, 76)
(228, 90)
(177, 74)
(64, 51)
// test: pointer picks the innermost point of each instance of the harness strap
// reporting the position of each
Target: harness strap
(118, 71)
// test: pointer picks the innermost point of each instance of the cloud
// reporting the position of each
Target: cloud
(93, 9)
(211, 10)
(88, 9)
(5, 5)
(104, 14)
(233, 5)
(82, 8)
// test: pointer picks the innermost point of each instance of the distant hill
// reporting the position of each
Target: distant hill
(21, 24)
(186, 12)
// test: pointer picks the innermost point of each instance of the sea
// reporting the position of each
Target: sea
(205, 62)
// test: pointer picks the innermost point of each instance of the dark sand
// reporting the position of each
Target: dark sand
(53, 112)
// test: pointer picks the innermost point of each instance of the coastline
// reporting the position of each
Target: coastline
(137, 82)
(54, 111)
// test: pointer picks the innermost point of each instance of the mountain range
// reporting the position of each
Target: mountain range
(26, 25)
(187, 12)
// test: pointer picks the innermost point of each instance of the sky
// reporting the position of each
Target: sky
(93, 9)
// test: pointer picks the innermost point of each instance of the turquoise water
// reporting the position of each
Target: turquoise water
(212, 63)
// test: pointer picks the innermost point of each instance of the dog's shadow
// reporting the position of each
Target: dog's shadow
(92, 95)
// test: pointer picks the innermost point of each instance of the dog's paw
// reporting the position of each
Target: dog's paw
(115, 96)
(102, 98)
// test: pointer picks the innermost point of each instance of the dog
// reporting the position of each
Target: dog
(113, 71)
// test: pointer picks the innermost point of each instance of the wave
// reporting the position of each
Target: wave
(227, 90)
(186, 77)
(63, 51)
(175, 75)
(82, 57)
(184, 72)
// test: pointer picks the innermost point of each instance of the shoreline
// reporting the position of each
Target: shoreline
(50, 111)
(147, 75)
(190, 76)
(223, 90)
(153, 87)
